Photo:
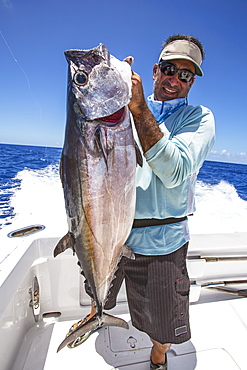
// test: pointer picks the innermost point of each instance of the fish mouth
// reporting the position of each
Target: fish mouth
(115, 117)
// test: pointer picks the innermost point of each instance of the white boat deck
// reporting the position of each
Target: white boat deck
(216, 342)
(218, 319)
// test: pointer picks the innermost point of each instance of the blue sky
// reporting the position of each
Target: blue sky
(33, 73)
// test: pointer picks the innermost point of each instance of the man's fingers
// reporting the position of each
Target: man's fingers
(136, 78)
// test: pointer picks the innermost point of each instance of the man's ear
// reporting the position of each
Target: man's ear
(192, 81)
(155, 70)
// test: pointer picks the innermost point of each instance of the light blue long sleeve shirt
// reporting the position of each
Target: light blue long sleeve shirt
(165, 185)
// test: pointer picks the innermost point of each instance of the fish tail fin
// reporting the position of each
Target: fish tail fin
(66, 242)
(82, 332)
(110, 320)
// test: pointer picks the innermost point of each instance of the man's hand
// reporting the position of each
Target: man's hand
(137, 102)
(146, 125)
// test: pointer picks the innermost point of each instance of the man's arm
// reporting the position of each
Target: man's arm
(147, 128)
(175, 159)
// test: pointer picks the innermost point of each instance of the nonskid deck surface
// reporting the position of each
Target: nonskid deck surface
(215, 344)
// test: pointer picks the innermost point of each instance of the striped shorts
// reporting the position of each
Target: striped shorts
(158, 294)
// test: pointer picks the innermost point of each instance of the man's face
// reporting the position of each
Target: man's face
(170, 87)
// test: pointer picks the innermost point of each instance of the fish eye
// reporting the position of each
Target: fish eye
(80, 78)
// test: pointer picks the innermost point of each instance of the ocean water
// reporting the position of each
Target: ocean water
(31, 192)
(30, 187)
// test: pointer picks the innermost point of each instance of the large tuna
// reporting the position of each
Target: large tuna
(98, 167)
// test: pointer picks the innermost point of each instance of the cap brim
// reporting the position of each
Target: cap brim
(199, 71)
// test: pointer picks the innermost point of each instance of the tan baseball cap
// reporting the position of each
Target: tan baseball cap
(183, 49)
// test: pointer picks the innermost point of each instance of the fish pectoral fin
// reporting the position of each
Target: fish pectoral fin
(66, 242)
(87, 328)
(139, 158)
(99, 142)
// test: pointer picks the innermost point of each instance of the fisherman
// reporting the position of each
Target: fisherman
(175, 139)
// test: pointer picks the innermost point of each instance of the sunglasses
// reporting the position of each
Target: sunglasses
(169, 69)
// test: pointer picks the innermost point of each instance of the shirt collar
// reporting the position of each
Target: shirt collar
(163, 109)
